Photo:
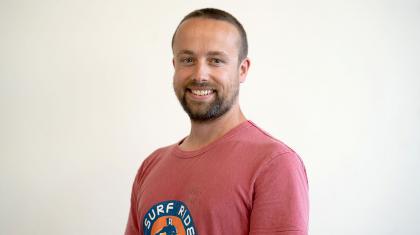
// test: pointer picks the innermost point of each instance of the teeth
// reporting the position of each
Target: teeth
(201, 92)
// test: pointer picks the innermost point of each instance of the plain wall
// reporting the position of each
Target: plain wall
(86, 94)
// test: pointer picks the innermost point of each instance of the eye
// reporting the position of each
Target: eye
(187, 60)
(216, 61)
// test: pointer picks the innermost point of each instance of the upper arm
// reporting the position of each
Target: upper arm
(133, 226)
(280, 203)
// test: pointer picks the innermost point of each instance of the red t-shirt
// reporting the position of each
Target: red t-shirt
(246, 182)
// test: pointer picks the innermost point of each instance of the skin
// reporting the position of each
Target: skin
(206, 51)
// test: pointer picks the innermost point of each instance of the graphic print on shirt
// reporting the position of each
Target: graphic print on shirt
(170, 218)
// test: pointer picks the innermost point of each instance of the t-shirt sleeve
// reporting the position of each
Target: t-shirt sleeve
(280, 202)
(132, 227)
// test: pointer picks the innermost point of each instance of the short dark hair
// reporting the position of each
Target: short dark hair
(217, 14)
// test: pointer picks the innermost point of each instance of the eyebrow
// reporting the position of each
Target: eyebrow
(188, 52)
(210, 53)
(221, 53)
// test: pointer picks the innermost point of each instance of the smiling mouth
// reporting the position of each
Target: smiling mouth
(201, 92)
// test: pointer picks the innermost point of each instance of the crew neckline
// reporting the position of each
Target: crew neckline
(178, 152)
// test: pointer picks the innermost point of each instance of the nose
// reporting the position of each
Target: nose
(201, 72)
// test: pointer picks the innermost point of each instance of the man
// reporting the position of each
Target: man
(227, 176)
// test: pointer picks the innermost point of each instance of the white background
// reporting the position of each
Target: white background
(86, 94)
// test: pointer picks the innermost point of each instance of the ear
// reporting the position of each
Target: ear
(173, 62)
(243, 69)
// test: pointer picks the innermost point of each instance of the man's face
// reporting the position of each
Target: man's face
(207, 70)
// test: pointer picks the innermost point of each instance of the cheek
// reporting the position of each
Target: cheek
(179, 81)
(227, 78)
(181, 75)
(177, 84)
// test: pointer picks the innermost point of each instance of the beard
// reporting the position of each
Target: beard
(202, 112)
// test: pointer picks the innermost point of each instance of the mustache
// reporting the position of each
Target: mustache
(200, 84)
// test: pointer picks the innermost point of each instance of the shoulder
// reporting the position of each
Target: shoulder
(255, 138)
(156, 156)
(259, 151)
(152, 159)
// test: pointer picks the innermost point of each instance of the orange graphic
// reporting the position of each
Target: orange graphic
(161, 223)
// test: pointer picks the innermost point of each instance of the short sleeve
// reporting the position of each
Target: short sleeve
(132, 227)
(280, 201)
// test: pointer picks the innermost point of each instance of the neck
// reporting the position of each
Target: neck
(203, 133)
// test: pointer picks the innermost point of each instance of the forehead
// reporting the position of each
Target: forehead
(202, 35)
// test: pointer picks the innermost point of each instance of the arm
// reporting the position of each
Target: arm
(132, 223)
(280, 202)
(133, 227)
